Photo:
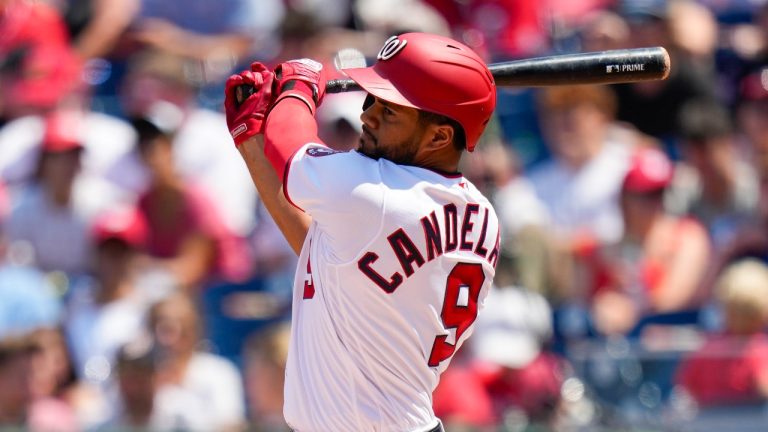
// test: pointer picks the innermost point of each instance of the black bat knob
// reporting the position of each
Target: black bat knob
(243, 92)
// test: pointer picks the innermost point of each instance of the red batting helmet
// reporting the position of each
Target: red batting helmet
(432, 73)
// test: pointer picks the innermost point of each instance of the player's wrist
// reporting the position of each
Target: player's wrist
(300, 90)
(302, 86)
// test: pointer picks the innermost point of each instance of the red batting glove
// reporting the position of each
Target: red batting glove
(303, 79)
(248, 97)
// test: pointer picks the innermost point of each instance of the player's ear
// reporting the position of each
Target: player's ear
(441, 135)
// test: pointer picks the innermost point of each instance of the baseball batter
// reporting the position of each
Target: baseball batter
(397, 248)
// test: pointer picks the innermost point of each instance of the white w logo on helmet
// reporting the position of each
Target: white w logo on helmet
(391, 47)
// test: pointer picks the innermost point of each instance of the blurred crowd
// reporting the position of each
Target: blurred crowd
(144, 287)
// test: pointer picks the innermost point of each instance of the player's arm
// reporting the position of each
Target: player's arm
(246, 124)
(290, 124)
(293, 223)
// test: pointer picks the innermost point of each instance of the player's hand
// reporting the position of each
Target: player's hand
(301, 78)
(249, 95)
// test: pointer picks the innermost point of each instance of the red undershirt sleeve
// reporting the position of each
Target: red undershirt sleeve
(289, 126)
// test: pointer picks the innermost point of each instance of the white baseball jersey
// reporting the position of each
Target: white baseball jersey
(395, 267)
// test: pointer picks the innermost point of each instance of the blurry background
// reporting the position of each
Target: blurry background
(144, 287)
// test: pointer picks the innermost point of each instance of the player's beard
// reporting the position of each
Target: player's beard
(401, 153)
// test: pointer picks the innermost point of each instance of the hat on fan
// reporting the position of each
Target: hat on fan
(63, 131)
(650, 170)
(125, 224)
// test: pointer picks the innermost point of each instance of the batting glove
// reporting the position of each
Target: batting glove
(303, 79)
(249, 95)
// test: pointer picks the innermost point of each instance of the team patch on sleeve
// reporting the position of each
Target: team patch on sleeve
(320, 151)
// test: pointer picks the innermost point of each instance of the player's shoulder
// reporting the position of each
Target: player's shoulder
(313, 150)
(473, 193)
(334, 167)
(322, 153)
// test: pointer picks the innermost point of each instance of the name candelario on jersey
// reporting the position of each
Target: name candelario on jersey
(442, 234)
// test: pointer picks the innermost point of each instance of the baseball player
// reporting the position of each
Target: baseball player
(397, 249)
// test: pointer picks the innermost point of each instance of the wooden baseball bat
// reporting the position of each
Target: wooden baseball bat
(598, 67)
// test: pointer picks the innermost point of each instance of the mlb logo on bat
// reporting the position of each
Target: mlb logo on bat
(611, 68)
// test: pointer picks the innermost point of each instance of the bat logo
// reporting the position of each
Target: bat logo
(391, 47)
(634, 67)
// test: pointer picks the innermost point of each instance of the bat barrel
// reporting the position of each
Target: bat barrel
(601, 67)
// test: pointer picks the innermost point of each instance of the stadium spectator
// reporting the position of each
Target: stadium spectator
(499, 29)
(39, 69)
(512, 355)
(659, 264)
(136, 370)
(274, 260)
(511, 373)
(22, 406)
(750, 239)
(694, 32)
(580, 185)
(400, 16)
(214, 37)
(30, 313)
(107, 309)
(751, 112)
(28, 299)
(527, 255)
(714, 182)
(745, 47)
(16, 380)
(47, 213)
(603, 30)
(56, 389)
(197, 390)
(157, 87)
(653, 106)
(731, 367)
(186, 234)
(460, 399)
(266, 352)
